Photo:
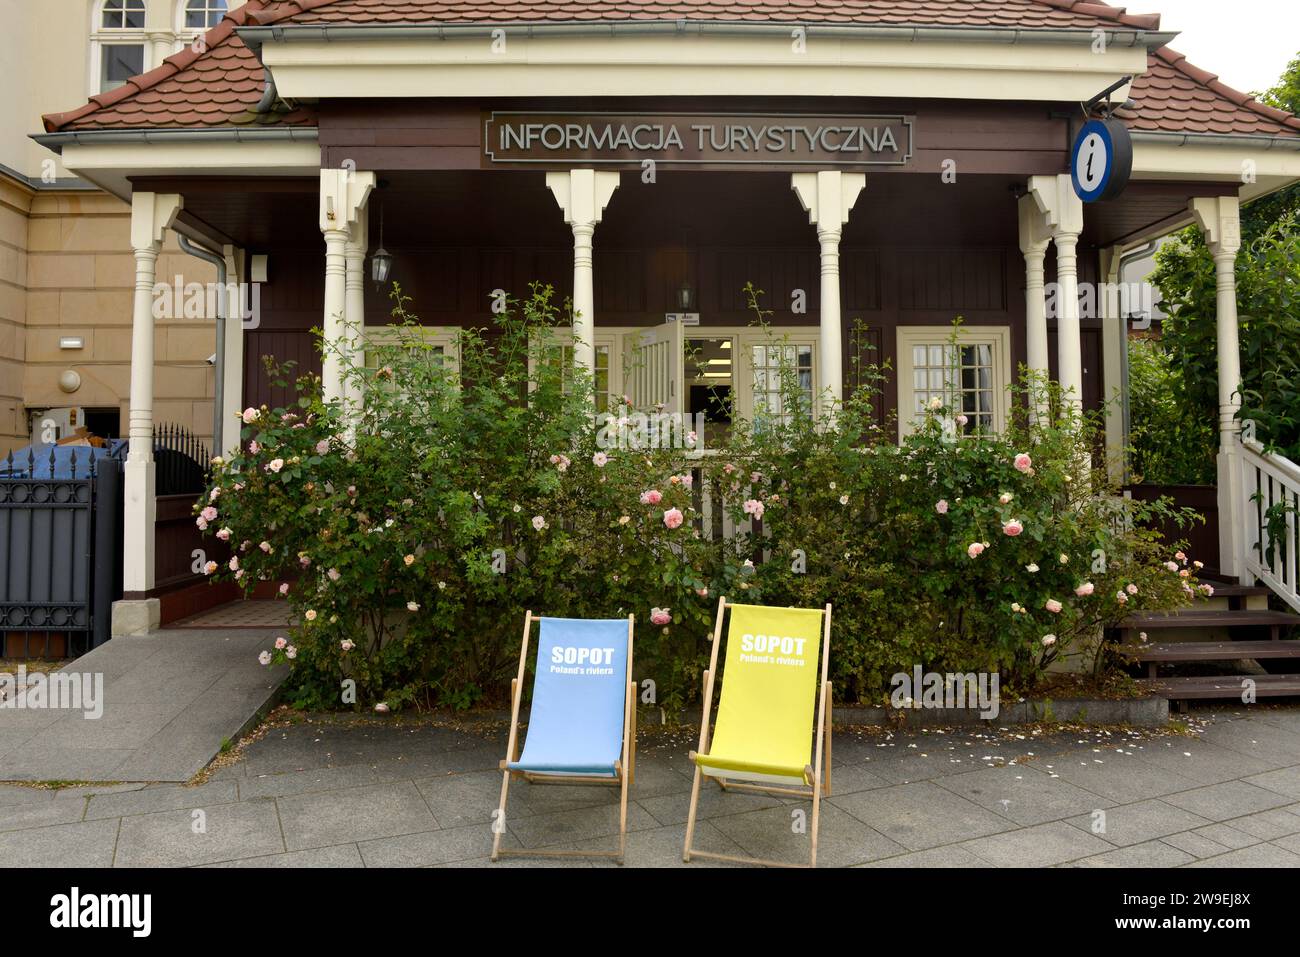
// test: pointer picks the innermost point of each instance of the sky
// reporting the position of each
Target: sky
(1248, 43)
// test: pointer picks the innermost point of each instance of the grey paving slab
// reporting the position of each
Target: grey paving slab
(170, 699)
(777, 834)
(1270, 825)
(1275, 746)
(951, 855)
(1199, 761)
(1139, 823)
(1257, 855)
(302, 782)
(1116, 777)
(357, 814)
(661, 847)
(1290, 843)
(574, 826)
(713, 802)
(1227, 835)
(18, 794)
(921, 814)
(340, 855)
(433, 847)
(1195, 843)
(1023, 793)
(1218, 802)
(1146, 854)
(14, 817)
(83, 844)
(149, 800)
(1283, 781)
(180, 838)
(1039, 846)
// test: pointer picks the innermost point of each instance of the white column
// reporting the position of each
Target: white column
(828, 197)
(343, 195)
(1114, 344)
(583, 195)
(1220, 219)
(355, 304)
(1034, 237)
(1063, 214)
(239, 295)
(152, 214)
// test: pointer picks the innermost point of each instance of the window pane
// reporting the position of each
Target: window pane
(121, 62)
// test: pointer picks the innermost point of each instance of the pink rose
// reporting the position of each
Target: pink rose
(1013, 528)
(250, 415)
(975, 549)
(224, 534)
(322, 446)
(333, 575)
(281, 642)
(266, 547)
(1084, 590)
(209, 513)
(1053, 606)
(1023, 462)
(254, 448)
(941, 506)
(673, 518)
(234, 563)
(275, 465)
(660, 616)
(651, 497)
(284, 588)
(1131, 588)
(599, 460)
(754, 507)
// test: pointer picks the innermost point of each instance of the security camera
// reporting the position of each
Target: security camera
(212, 359)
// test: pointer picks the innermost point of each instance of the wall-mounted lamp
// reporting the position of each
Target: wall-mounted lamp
(381, 263)
(685, 296)
(71, 342)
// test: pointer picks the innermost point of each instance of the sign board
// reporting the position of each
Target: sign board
(1101, 160)
(685, 318)
(773, 141)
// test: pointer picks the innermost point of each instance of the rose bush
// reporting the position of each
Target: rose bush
(410, 536)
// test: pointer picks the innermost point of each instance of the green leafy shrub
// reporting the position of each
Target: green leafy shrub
(410, 540)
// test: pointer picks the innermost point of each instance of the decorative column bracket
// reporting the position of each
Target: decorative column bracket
(343, 196)
(583, 195)
(827, 196)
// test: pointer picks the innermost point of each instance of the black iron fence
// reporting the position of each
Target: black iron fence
(60, 551)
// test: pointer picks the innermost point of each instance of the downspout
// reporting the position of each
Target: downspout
(1125, 404)
(219, 363)
(268, 93)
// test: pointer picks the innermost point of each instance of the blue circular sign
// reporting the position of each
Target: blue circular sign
(1101, 160)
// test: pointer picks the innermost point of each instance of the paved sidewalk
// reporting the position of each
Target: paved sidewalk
(171, 698)
(349, 794)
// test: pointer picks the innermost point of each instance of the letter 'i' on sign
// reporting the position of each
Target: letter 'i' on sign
(1101, 160)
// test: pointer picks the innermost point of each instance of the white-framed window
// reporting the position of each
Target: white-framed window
(118, 48)
(968, 371)
(439, 344)
(606, 345)
(771, 362)
(197, 16)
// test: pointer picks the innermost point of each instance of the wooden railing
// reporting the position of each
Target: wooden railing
(1271, 491)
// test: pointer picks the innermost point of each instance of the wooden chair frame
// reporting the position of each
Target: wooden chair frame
(817, 775)
(624, 770)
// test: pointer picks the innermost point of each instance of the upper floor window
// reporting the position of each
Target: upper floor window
(119, 43)
(122, 15)
(203, 14)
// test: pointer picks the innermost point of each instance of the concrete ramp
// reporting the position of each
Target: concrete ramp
(169, 701)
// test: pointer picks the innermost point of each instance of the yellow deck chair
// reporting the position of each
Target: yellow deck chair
(764, 735)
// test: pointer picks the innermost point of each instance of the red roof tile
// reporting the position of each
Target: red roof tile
(1174, 96)
(983, 13)
(221, 86)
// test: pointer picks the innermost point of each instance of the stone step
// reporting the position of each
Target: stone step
(1212, 650)
(1188, 688)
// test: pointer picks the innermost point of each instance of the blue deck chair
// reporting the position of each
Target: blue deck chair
(582, 727)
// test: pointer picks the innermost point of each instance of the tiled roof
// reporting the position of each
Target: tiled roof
(221, 86)
(218, 84)
(1174, 96)
(1064, 14)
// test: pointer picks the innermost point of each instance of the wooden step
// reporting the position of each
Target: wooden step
(1186, 689)
(1212, 650)
(1147, 621)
